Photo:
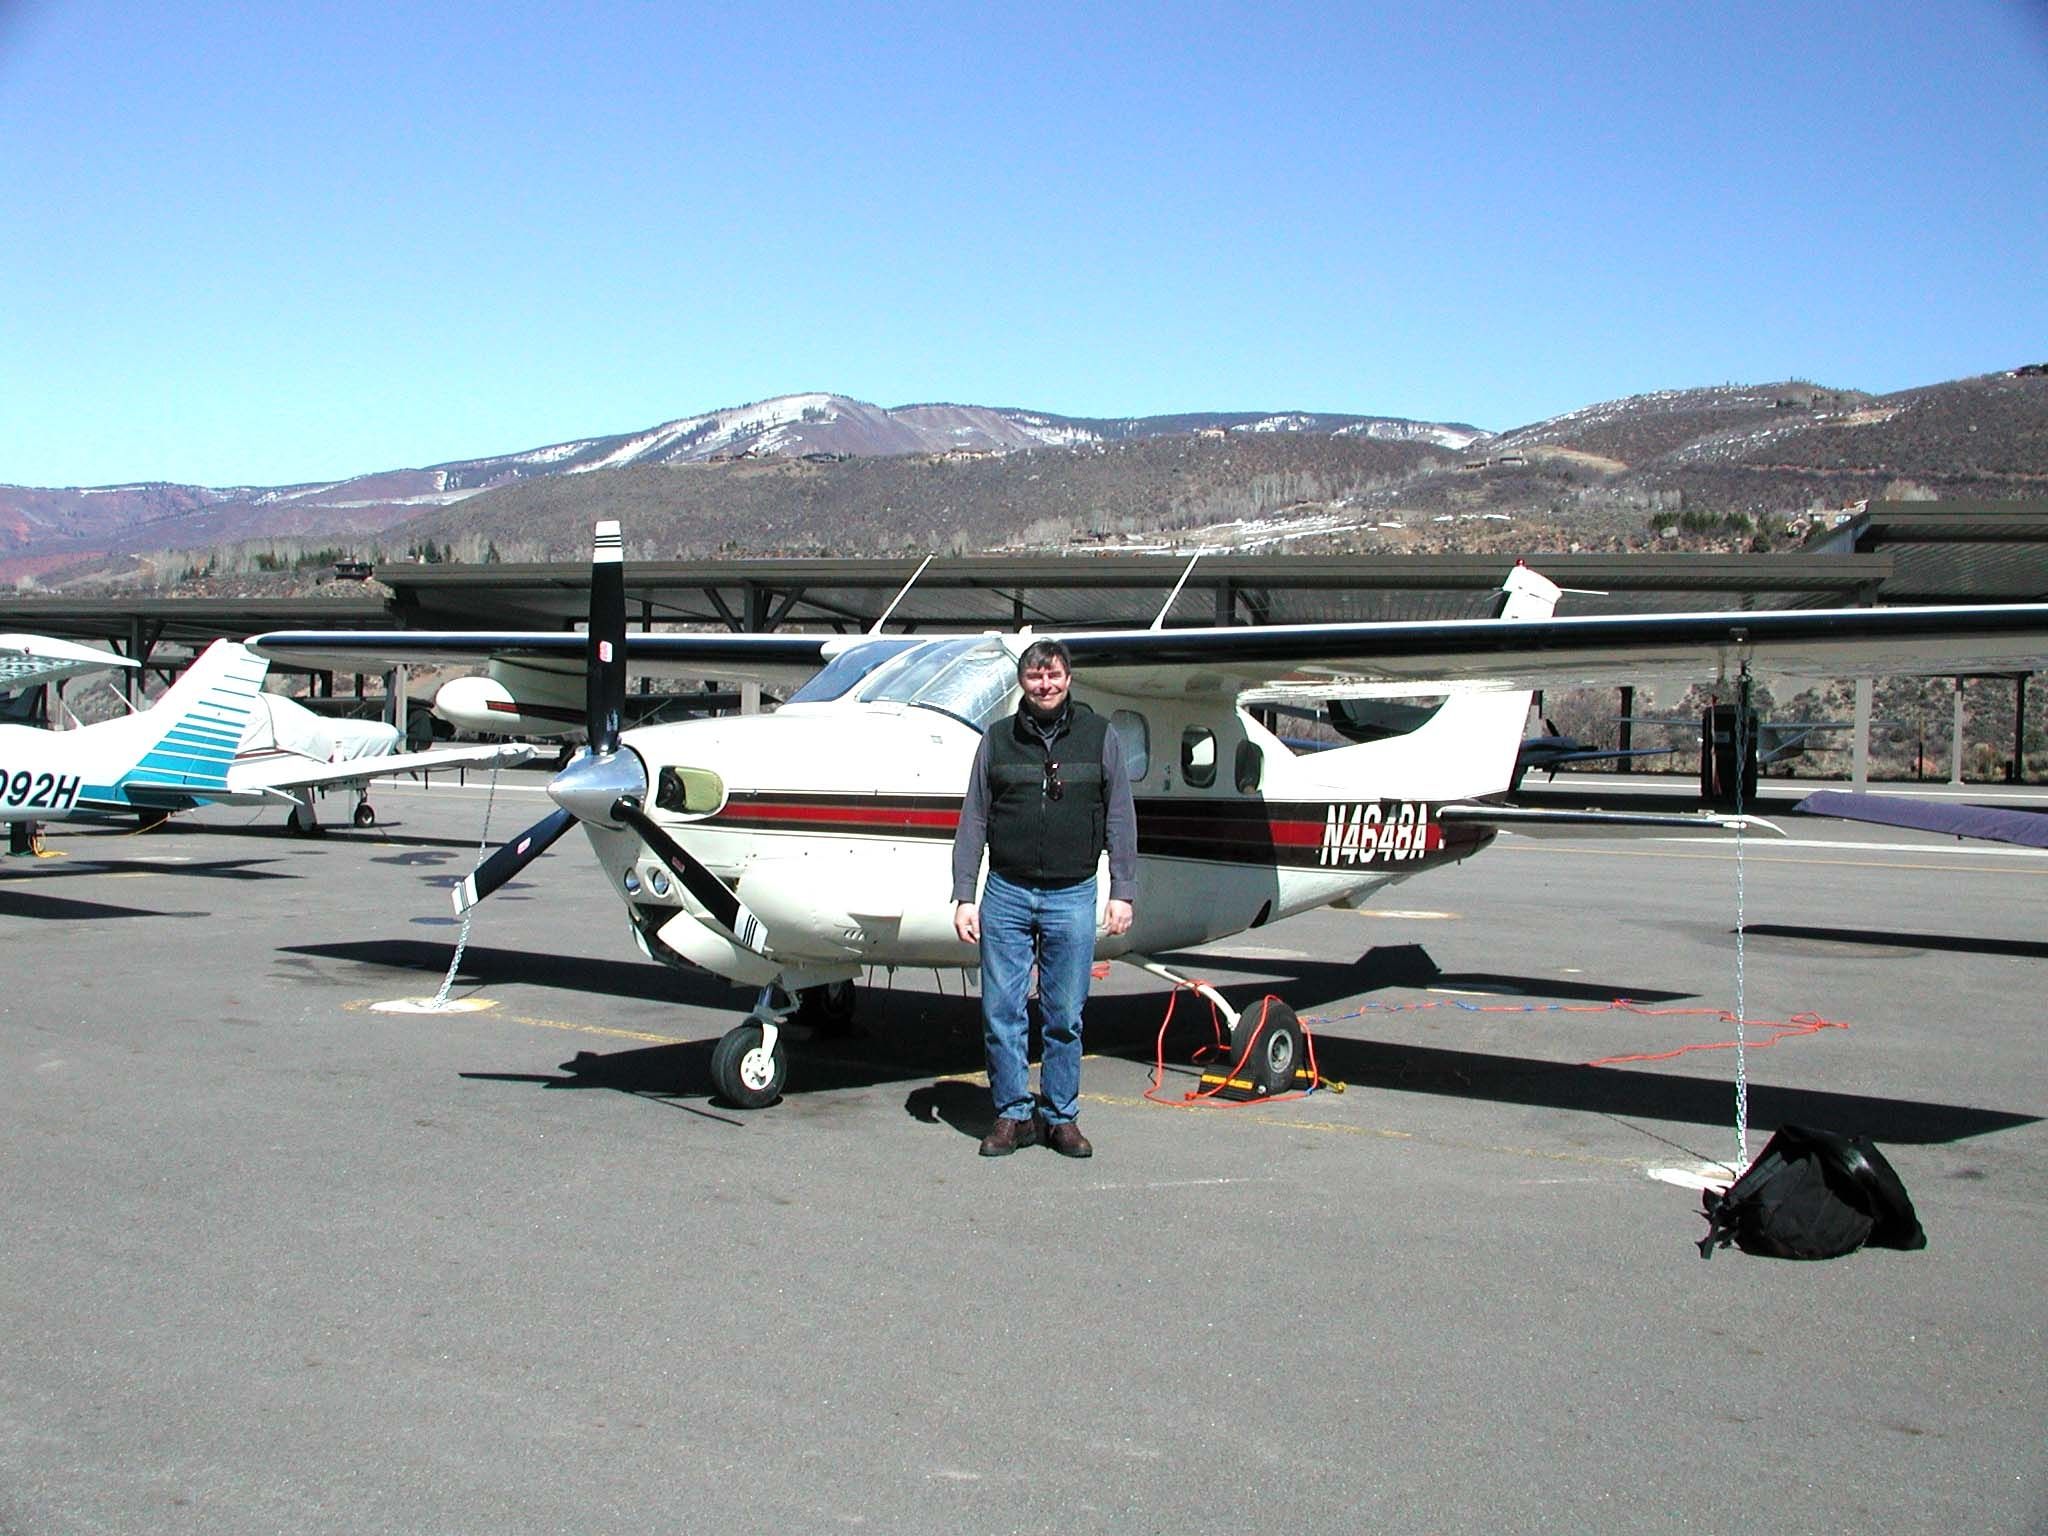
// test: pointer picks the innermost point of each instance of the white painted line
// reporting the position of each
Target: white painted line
(1705, 1176)
(1970, 845)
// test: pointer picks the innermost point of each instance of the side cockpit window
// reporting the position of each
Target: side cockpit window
(848, 668)
(971, 678)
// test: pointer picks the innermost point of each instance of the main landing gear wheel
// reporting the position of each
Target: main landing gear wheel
(366, 816)
(742, 1073)
(1277, 1050)
(829, 1008)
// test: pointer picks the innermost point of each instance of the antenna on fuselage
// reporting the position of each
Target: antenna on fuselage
(1173, 596)
(876, 627)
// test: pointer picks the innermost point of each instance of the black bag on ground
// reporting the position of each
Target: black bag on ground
(1812, 1195)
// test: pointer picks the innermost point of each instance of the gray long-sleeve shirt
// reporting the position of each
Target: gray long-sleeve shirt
(1121, 821)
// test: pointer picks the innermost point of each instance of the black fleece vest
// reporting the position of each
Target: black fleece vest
(1034, 839)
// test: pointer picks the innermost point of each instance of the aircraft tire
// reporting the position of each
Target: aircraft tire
(366, 815)
(828, 1009)
(1276, 1052)
(743, 1074)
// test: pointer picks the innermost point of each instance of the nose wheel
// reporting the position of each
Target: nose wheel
(749, 1065)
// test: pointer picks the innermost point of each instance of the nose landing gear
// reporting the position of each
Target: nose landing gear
(749, 1064)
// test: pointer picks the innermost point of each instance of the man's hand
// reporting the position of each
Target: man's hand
(967, 922)
(1115, 919)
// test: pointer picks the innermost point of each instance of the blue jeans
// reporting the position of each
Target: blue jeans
(1022, 924)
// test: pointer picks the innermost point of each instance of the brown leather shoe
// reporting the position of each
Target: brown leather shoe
(1068, 1141)
(1007, 1135)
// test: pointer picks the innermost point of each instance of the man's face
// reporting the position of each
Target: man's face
(1045, 687)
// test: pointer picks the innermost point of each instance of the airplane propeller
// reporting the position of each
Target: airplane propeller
(605, 659)
(586, 789)
(509, 858)
(712, 893)
(606, 785)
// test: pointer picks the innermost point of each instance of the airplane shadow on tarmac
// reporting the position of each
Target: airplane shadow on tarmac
(1617, 1091)
(1822, 939)
(899, 1036)
(68, 867)
(484, 966)
(60, 909)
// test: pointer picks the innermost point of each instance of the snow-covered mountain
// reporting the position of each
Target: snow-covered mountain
(43, 529)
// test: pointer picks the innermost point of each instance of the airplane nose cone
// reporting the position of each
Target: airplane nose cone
(590, 786)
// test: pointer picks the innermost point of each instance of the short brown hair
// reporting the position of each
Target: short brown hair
(1043, 653)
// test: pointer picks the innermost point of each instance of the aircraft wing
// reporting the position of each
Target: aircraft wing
(772, 659)
(28, 661)
(265, 777)
(1587, 651)
(1957, 820)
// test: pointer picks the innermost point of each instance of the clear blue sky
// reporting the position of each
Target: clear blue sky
(249, 244)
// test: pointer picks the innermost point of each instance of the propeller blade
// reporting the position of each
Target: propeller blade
(510, 858)
(712, 893)
(605, 698)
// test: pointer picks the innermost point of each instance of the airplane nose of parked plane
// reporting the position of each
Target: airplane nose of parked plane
(590, 786)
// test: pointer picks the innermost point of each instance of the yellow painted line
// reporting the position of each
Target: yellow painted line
(599, 1029)
(1378, 1132)
(1244, 1113)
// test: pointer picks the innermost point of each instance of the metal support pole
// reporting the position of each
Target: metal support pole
(1859, 749)
(2019, 731)
(1955, 741)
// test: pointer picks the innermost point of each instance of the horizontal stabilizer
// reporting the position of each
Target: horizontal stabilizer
(1546, 823)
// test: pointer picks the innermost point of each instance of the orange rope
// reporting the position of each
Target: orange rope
(1218, 1044)
(1799, 1024)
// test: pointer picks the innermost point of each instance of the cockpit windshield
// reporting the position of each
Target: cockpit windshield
(849, 667)
(970, 678)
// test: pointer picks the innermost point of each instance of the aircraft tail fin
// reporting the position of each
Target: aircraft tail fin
(184, 744)
(1467, 748)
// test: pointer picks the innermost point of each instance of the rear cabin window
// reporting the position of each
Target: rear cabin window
(1250, 767)
(1198, 757)
(1134, 735)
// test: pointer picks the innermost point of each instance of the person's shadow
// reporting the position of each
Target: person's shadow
(962, 1105)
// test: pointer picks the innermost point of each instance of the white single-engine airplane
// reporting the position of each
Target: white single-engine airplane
(166, 758)
(291, 754)
(213, 738)
(792, 850)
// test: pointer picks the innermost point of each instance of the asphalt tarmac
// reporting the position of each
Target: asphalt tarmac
(277, 1261)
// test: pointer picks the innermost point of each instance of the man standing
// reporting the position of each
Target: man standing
(1048, 792)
